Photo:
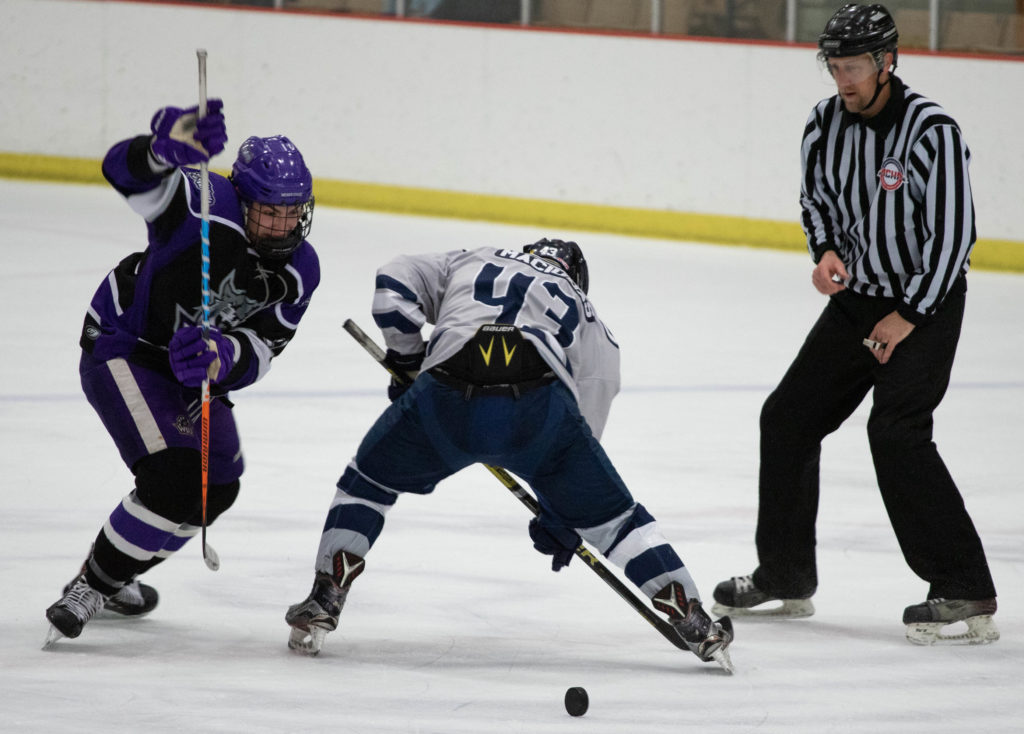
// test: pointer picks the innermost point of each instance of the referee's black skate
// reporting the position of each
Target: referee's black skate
(315, 616)
(927, 622)
(739, 597)
(706, 638)
(69, 614)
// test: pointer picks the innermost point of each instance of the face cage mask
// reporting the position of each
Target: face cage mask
(279, 242)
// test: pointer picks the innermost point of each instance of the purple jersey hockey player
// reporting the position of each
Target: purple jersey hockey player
(518, 372)
(143, 356)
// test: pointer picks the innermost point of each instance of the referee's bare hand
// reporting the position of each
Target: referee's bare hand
(829, 274)
(890, 331)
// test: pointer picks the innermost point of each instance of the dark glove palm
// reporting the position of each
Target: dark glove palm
(409, 364)
(556, 541)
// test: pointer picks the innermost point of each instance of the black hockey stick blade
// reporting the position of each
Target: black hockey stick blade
(593, 563)
(210, 557)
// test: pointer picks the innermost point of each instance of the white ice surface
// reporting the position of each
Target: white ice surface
(458, 625)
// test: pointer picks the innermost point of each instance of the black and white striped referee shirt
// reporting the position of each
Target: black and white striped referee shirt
(891, 195)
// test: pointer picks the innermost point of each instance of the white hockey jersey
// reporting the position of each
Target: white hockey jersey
(459, 291)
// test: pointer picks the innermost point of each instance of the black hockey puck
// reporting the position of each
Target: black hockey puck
(576, 701)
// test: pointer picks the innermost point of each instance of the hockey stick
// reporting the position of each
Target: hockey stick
(209, 555)
(667, 630)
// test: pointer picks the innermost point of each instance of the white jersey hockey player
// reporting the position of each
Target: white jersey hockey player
(461, 290)
(517, 372)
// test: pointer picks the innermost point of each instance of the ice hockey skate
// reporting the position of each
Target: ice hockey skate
(315, 616)
(927, 622)
(72, 611)
(134, 599)
(706, 639)
(739, 597)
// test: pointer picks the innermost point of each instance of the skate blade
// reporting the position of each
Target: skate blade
(721, 654)
(789, 609)
(52, 635)
(306, 642)
(981, 630)
(723, 659)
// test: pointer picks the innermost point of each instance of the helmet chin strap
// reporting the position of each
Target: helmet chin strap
(879, 85)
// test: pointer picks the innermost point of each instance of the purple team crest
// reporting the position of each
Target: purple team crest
(196, 177)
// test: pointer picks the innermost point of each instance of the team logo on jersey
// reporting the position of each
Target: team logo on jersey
(196, 178)
(891, 175)
(183, 425)
(230, 305)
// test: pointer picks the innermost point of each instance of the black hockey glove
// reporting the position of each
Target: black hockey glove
(556, 541)
(407, 363)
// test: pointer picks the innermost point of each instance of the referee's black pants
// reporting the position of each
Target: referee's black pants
(829, 378)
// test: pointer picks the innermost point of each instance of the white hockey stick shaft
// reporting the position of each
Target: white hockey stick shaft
(209, 556)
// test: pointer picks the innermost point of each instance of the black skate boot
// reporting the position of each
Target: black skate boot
(72, 611)
(134, 599)
(706, 639)
(926, 621)
(739, 596)
(318, 614)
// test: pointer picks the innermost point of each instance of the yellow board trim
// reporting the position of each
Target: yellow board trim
(988, 254)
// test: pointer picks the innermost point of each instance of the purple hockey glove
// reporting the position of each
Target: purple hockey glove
(180, 139)
(407, 363)
(193, 360)
(556, 541)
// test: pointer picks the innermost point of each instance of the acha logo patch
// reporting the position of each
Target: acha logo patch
(891, 175)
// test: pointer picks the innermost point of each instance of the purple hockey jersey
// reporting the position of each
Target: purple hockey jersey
(151, 294)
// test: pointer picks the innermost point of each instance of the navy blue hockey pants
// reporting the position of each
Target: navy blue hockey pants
(433, 431)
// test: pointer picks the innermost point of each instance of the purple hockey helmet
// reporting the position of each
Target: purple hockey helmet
(271, 171)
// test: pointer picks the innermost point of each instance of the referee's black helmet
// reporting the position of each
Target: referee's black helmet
(859, 29)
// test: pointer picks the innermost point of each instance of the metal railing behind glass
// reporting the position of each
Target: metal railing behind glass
(980, 26)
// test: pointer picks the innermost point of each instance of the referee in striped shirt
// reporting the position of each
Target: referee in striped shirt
(889, 219)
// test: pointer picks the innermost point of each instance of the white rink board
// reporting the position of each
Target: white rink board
(661, 124)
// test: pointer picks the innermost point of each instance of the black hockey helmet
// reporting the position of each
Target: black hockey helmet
(566, 255)
(859, 29)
